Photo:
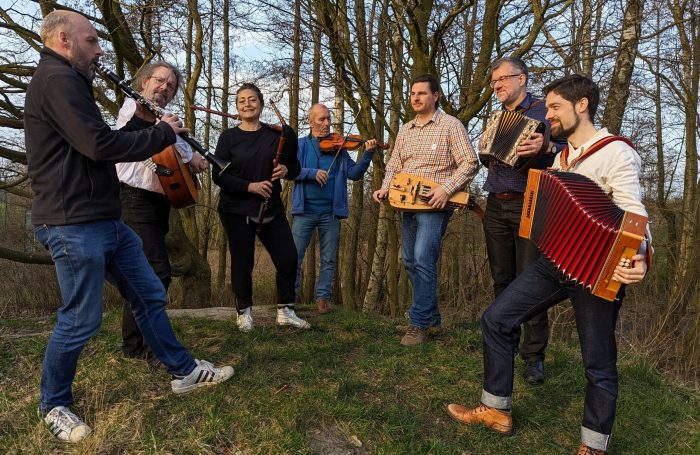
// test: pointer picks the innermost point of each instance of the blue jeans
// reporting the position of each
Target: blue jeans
(420, 251)
(328, 234)
(538, 288)
(84, 254)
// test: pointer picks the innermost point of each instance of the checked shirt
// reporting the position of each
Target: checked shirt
(438, 150)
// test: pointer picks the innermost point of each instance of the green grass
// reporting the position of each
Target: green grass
(317, 391)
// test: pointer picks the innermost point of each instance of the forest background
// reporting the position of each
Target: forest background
(357, 57)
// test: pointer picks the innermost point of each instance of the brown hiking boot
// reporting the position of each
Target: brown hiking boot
(495, 419)
(323, 305)
(585, 450)
(414, 335)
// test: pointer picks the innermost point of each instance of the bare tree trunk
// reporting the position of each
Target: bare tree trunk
(624, 65)
(222, 241)
(195, 282)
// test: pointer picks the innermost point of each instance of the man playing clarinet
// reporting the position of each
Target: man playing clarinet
(76, 214)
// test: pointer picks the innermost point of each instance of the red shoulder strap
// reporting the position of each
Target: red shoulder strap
(599, 144)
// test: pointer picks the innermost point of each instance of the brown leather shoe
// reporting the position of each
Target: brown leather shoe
(495, 419)
(323, 305)
(585, 450)
(414, 335)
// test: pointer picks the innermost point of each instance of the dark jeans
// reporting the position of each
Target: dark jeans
(538, 288)
(276, 236)
(84, 255)
(509, 254)
(146, 212)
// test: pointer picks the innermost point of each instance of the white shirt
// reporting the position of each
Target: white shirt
(137, 174)
(616, 168)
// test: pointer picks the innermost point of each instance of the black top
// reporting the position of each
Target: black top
(136, 123)
(71, 151)
(251, 154)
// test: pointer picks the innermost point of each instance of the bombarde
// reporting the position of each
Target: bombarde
(219, 164)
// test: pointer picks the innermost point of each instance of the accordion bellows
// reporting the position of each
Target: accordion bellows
(579, 229)
(504, 131)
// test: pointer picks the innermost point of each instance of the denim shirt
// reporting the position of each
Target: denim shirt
(502, 179)
(346, 169)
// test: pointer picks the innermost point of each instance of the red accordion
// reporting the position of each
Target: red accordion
(577, 227)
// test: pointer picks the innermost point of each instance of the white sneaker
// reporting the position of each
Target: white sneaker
(65, 425)
(204, 374)
(287, 316)
(245, 320)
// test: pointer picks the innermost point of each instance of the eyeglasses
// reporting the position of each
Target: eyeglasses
(163, 81)
(502, 79)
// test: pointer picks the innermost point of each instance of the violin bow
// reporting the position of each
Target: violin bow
(345, 139)
(275, 162)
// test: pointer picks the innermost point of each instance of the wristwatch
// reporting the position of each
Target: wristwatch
(553, 149)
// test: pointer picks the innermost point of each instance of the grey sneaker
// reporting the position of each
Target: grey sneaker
(204, 374)
(287, 316)
(245, 320)
(65, 425)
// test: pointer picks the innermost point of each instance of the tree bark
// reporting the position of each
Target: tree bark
(624, 65)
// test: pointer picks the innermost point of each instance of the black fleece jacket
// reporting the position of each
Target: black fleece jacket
(71, 151)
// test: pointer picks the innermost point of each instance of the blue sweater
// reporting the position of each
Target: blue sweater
(344, 167)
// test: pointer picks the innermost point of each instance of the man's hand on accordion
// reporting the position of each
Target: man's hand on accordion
(631, 275)
(531, 146)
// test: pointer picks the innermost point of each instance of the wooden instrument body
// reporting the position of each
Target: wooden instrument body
(408, 193)
(182, 187)
(587, 250)
(504, 132)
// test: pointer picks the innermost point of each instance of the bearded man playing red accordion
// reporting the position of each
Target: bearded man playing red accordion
(571, 105)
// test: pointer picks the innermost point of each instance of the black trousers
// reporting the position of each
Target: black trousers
(146, 212)
(509, 254)
(276, 237)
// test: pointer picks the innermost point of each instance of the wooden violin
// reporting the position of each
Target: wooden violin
(336, 141)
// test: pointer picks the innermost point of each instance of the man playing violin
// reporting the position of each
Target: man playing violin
(144, 206)
(436, 146)
(76, 214)
(320, 198)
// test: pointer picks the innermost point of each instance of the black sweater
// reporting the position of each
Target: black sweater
(71, 151)
(251, 154)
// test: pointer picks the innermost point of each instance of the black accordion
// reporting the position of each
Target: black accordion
(504, 132)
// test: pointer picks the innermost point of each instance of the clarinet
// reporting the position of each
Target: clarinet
(219, 164)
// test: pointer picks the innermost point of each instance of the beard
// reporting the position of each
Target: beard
(160, 99)
(562, 132)
(81, 63)
(86, 68)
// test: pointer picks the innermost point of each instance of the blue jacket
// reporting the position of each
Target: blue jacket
(345, 167)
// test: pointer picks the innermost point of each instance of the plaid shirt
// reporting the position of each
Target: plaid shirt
(438, 150)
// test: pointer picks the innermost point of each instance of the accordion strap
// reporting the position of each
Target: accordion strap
(564, 155)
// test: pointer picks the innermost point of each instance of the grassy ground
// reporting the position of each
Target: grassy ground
(344, 387)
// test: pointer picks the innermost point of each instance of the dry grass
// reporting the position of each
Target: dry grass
(344, 387)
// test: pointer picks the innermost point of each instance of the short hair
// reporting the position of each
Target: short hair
(518, 63)
(253, 87)
(430, 79)
(53, 21)
(575, 87)
(147, 71)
